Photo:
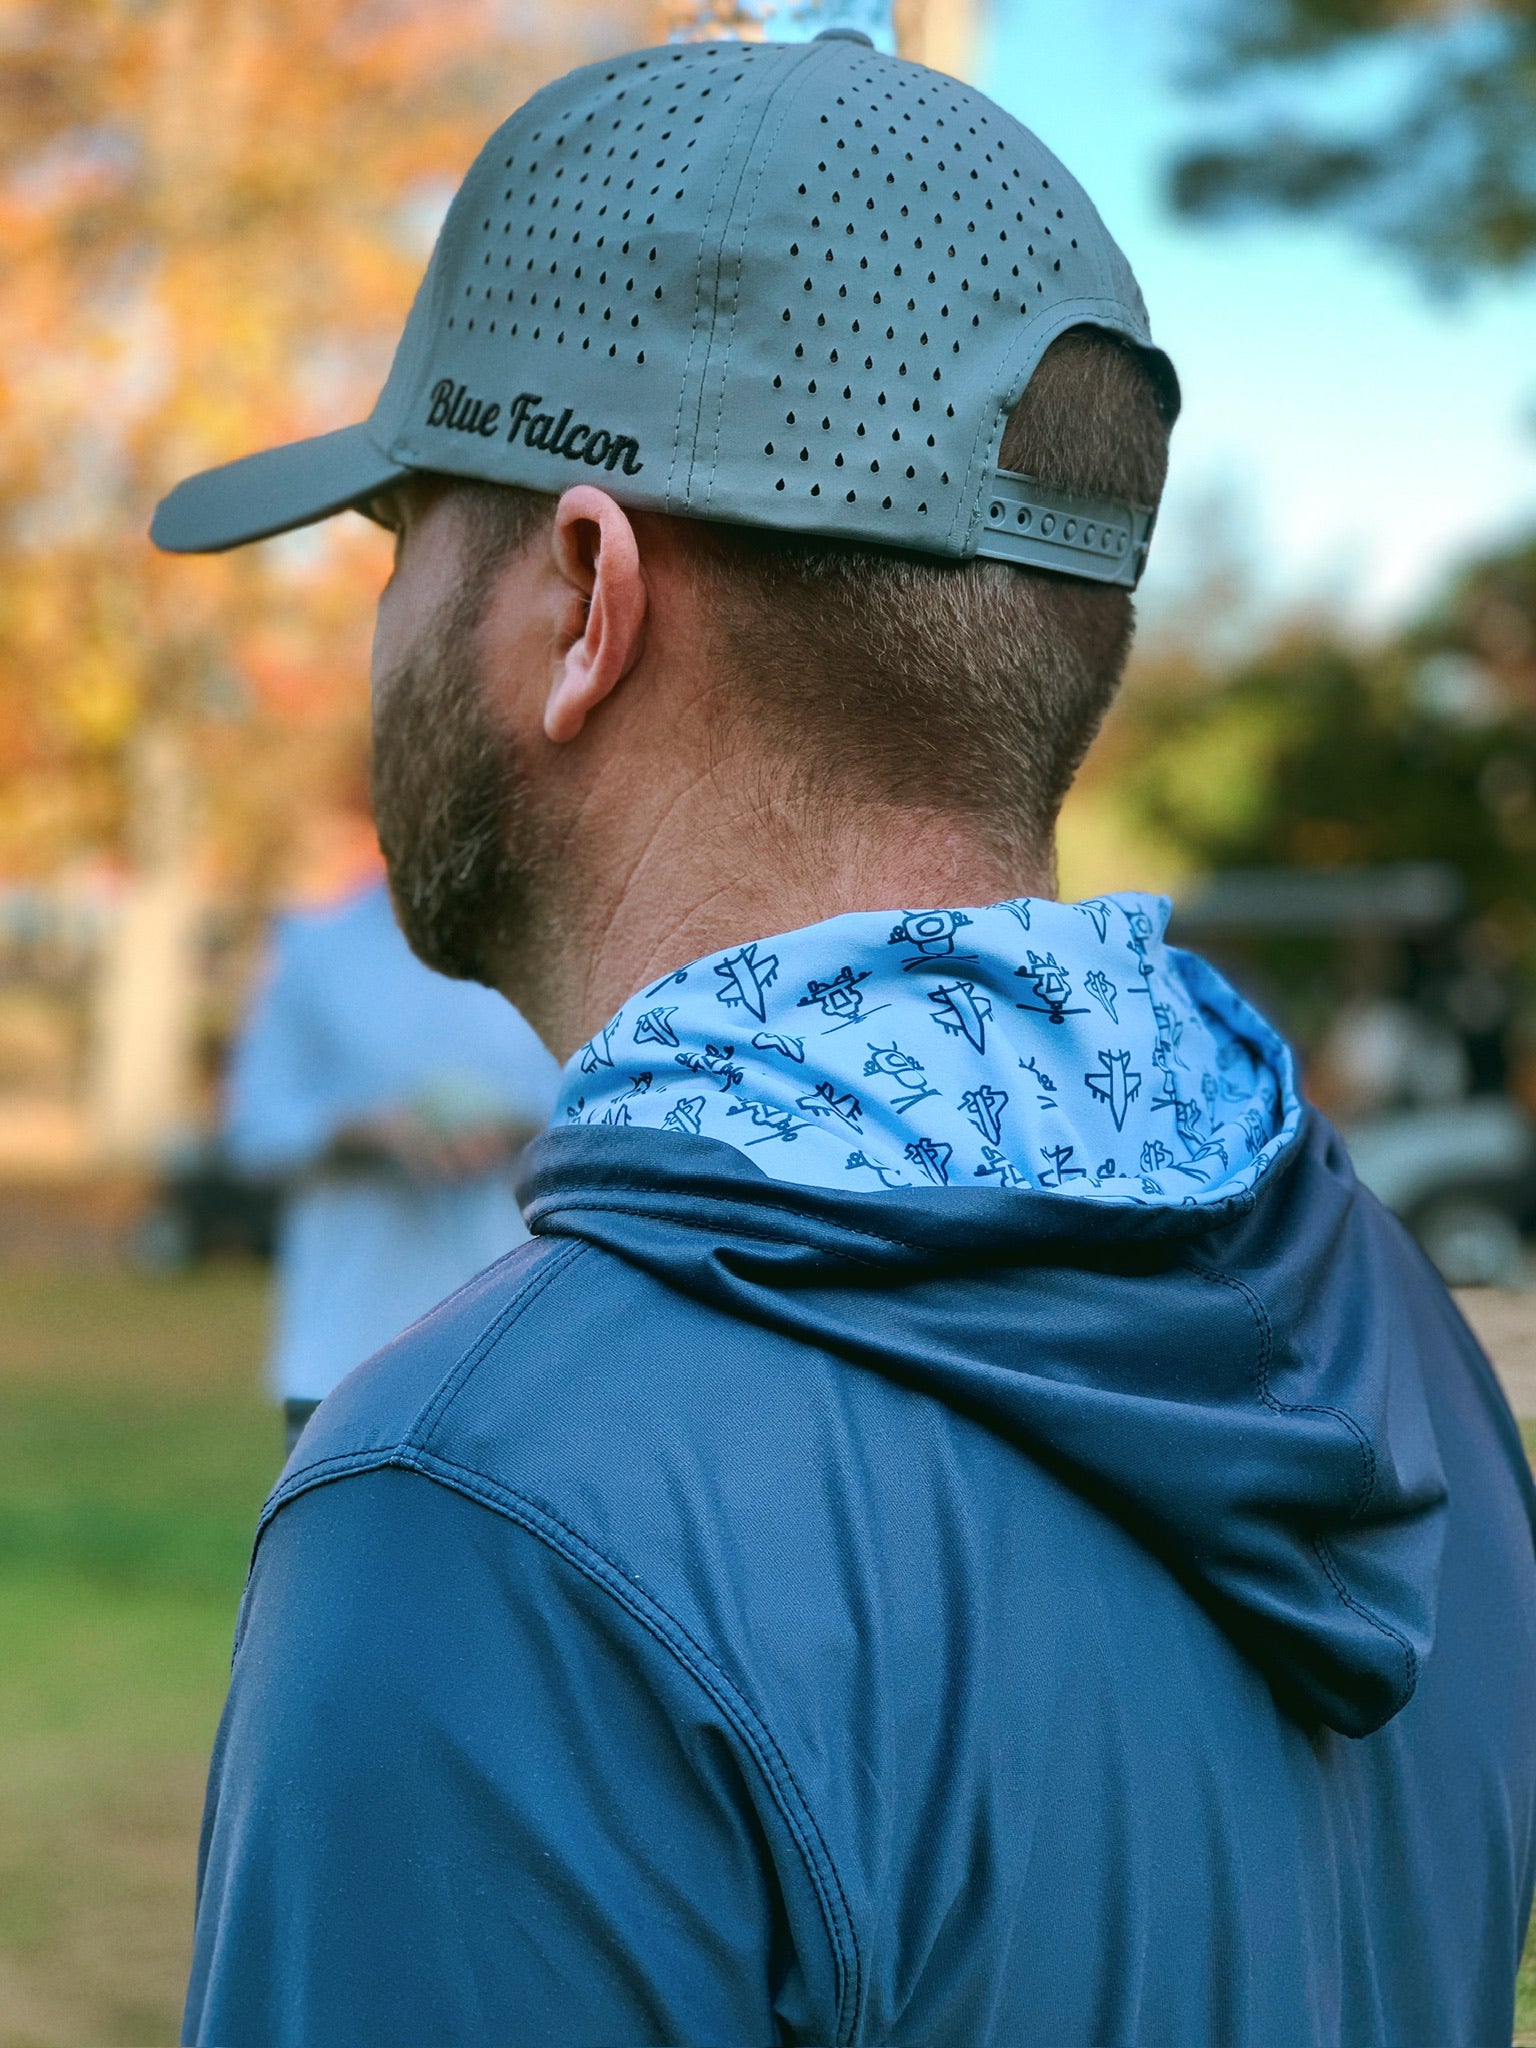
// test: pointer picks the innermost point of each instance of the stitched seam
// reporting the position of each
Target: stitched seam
(693, 339)
(1267, 1395)
(454, 1383)
(541, 1209)
(411, 1453)
(699, 319)
(742, 1230)
(665, 1628)
(1320, 1549)
(311, 1476)
(1200, 1220)
(1335, 1578)
(443, 1392)
(785, 93)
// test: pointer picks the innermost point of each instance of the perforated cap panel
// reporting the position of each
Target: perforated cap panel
(790, 285)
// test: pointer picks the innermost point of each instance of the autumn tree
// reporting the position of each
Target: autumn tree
(212, 215)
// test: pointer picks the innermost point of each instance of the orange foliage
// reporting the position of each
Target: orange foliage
(212, 216)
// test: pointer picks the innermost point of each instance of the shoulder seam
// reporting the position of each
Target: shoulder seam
(444, 1388)
(410, 1452)
(752, 1730)
(449, 1387)
(667, 1631)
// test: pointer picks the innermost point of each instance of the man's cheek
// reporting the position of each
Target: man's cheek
(383, 660)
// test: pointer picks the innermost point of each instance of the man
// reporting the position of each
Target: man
(390, 1102)
(966, 1524)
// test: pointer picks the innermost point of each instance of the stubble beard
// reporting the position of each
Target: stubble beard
(464, 853)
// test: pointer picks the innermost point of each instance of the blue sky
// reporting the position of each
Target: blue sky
(1348, 434)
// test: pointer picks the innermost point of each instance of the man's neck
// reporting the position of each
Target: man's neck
(695, 890)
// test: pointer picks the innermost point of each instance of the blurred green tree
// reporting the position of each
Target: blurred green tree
(1433, 153)
(1316, 752)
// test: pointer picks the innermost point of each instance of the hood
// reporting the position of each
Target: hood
(1022, 1044)
(1237, 1382)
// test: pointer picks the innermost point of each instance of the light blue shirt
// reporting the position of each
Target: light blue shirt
(348, 1023)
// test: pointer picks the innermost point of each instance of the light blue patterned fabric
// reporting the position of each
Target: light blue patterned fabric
(1028, 1044)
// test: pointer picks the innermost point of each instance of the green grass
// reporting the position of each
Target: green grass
(135, 1448)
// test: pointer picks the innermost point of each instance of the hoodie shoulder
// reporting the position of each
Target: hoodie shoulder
(1026, 1529)
(567, 1381)
(389, 1404)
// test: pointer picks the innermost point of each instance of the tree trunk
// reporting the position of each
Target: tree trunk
(142, 1081)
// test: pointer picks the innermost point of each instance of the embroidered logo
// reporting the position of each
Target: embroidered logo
(454, 407)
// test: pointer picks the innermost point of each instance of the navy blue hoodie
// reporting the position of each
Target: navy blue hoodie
(751, 1614)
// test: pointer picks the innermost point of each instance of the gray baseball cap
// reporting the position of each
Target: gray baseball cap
(790, 285)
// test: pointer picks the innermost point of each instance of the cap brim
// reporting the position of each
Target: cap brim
(273, 492)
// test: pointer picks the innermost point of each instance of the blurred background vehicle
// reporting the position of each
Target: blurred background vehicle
(1376, 976)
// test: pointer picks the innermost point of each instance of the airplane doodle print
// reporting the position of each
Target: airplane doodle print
(997, 1049)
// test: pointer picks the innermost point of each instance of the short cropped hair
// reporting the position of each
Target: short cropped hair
(967, 689)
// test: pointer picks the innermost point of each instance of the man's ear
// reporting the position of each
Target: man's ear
(597, 555)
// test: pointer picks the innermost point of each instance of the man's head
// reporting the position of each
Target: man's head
(775, 441)
(561, 685)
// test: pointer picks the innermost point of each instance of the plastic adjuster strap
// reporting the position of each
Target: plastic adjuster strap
(1041, 529)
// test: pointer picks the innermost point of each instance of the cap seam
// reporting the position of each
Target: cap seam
(782, 99)
(409, 398)
(703, 324)
(434, 283)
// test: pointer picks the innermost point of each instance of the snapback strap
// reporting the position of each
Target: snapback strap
(1041, 529)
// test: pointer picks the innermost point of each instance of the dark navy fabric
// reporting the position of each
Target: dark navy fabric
(757, 1614)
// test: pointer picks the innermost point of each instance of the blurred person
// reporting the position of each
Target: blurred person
(966, 1523)
(391, 1103)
